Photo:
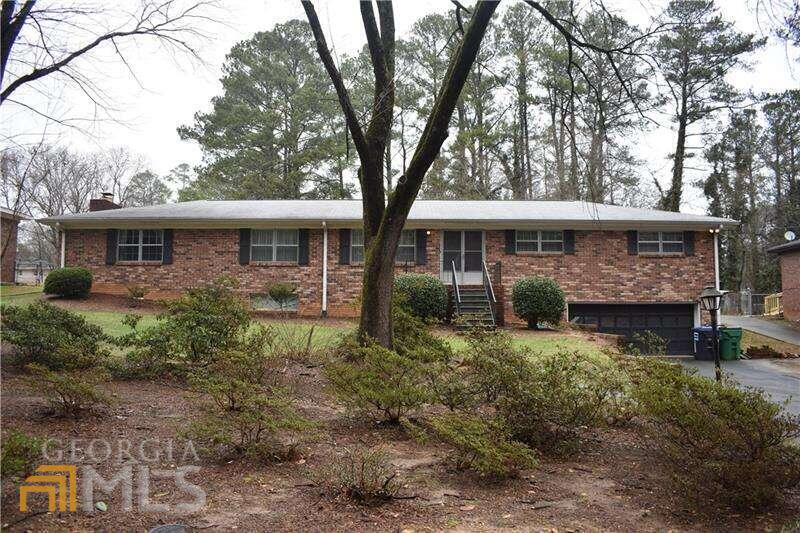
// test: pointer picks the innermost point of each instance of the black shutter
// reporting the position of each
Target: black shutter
(244, 246)
(633, 242)
(166, 258)
(688, 242)
(422, 247)
(302, 251)
(344, 246)
(569, 241)
(111, 246)
(511, 242)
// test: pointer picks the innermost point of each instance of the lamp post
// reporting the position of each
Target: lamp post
(710, 299)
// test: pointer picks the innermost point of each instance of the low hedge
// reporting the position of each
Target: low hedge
(69, 282)
(424, 295)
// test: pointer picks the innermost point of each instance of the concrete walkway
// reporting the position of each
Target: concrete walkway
(770, 328)
(780, 378)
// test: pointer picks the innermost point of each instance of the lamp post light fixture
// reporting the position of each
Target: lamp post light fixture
(710, 300)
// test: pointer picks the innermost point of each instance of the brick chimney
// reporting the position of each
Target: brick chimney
(104, 203)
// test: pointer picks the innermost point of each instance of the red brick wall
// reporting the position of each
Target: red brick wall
(8, 233)
(600, 271)
(790, 281)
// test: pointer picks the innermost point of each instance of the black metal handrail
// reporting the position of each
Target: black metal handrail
(456, 291)
(487, 286)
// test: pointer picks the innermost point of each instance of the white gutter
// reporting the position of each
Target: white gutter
(324, 269)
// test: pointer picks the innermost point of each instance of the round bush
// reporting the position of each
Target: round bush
(537, 300)
(69, 282)
(425, 296)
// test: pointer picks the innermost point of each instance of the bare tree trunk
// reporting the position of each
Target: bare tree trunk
(672, 199)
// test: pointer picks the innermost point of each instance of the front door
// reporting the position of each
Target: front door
(464, 249)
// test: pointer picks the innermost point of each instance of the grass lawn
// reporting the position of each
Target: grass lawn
(543, 342)
(325, 333)
(20, 294)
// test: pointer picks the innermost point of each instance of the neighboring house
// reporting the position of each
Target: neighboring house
(32, 272)
(789, 255)
(9, 227)
(623, 269)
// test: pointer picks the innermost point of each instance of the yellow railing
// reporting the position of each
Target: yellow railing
(773, 305)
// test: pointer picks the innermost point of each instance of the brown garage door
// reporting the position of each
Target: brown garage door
(673, 322)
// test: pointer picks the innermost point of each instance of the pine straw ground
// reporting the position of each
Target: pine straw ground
(613, 484)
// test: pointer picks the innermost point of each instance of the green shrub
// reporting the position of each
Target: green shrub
(721, 442)
(264, 426)
(414, 338)
(495, 368)
(205, 321)
(363, 475)
(20, 453)
(149, 351)
(240, 371)
(646, 343)
(69, 393)
(385, 383)
(558, 395)
(53, 337)
(483, 444)
(250, 412)
(282, 293)
(191, 333)
(424, 295)
(538, 299)
(69, 282)
(136, 294)
(379, 382)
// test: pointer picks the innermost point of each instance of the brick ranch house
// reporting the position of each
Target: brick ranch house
(623, 269)
(789, 254)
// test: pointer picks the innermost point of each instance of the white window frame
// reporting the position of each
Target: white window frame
(539, 240)
(412, 246)
(139, 246)
(661, 242)
(273, 246)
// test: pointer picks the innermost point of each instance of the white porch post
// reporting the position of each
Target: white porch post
(324, 269)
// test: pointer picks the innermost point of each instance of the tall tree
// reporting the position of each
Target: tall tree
(275, 131)
(780, 148)
(695, 57)
(384, 218)
(145, 188)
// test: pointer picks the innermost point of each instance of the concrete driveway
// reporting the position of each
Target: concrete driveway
(770, 328)
(780, 378)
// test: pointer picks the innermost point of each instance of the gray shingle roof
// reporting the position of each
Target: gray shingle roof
(434, 213)
(791, 246)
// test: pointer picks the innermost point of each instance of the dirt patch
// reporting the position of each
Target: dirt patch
(612, 485)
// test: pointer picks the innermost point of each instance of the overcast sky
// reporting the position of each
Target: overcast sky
(167, 90)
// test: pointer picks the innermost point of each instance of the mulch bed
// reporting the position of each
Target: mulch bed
(613, 484)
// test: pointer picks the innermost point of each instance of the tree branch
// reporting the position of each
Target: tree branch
(436, 129)
(10, 26)
(353, 125)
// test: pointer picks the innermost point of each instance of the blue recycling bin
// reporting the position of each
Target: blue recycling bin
(703, 343)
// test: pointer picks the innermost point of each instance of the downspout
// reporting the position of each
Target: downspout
(716, 264)
(324, 269)
(63, 243)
